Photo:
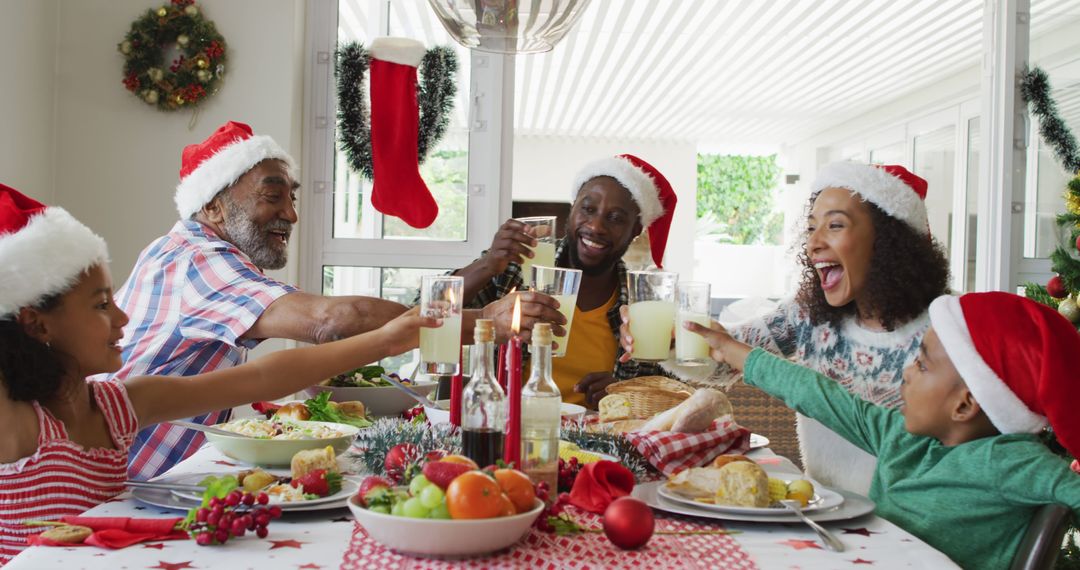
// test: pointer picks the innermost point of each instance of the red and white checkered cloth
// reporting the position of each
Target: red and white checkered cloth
(671, 452)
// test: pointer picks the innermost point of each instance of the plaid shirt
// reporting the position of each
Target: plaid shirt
(190, 297)
(511, 279)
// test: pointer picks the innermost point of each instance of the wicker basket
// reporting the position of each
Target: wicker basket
(650, 395)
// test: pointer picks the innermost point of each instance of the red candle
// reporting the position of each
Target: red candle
(456, 387)
(512, 446)
(500, 367)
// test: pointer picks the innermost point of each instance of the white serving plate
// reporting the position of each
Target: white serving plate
(824, 499)
(279, 452)
(336, 500)
(442, 537)
(853, 506)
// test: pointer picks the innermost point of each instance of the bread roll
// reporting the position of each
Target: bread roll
(614, 407)
(696, 482)
(311, 459)
(722, 460)
(697, 413)
(743, 484)
(294, 411)
(352, 408)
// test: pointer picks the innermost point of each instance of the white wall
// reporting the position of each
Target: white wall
(545, 168)
(28, 68)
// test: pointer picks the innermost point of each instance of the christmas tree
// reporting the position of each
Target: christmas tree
(1062, 289)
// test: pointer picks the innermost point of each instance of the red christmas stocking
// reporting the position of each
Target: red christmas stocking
(398, 189)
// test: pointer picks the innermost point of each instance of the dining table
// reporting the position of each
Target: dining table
(331, 538)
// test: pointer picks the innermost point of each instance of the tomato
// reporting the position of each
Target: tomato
(474, 495)
(462, 460)
(518, 487)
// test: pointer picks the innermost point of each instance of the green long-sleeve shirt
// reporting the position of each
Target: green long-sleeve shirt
(972, 501)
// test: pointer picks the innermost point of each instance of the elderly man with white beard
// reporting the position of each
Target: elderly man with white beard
(198, 298)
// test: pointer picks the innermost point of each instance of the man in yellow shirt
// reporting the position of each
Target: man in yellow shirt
(614, 199)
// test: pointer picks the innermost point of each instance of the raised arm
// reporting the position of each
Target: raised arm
(510, 244)
(163, 398)
(317, 319)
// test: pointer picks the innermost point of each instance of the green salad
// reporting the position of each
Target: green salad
(365, 377)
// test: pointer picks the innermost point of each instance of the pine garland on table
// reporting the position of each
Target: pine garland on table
(435, 93)
(373, 443)
(611, 444)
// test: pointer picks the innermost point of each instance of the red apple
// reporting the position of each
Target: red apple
(628, 523)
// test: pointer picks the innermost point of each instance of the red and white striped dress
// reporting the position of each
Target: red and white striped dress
(62, 477)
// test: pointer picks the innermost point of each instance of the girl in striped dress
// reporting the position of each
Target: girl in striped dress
(64, 446)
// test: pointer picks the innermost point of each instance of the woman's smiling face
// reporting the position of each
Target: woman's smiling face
(840, 244)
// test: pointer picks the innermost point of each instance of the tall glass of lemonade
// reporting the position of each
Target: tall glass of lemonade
(440, 348)
(543, 229)
(562, 284)
(652, 313)
(691, 305)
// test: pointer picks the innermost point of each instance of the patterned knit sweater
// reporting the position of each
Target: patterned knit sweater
(868, 364)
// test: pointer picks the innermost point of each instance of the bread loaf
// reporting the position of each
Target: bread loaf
(739, 483)
(697, 413)
(294, 411)
(614, 407)
(722, 460)
(311, 459)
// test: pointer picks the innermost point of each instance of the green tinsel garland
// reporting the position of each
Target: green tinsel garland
(435, 93)
(609, 444)
(1035, 88)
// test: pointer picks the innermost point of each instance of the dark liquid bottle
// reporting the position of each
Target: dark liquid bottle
(483, 410)
(484, 446)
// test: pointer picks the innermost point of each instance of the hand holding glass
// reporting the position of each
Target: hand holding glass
(440, 296)
(562, 284)
(543, 229)
(692, 305)
(652, 313)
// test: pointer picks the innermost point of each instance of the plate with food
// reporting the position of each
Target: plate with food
(318, 408)
(365, 384)
(735, 484)
(852, 507)
(274, 442)
(319, 488)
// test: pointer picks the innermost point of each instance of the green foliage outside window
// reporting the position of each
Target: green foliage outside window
(736, 199)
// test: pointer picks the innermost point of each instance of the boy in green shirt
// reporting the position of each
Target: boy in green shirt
(960, 464)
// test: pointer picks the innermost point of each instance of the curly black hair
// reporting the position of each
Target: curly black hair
(29, 369)
(907, 271)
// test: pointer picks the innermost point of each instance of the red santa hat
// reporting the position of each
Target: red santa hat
(1017, 358)
(650, 190)
(893, 188)
(219, 161)
(43, 251)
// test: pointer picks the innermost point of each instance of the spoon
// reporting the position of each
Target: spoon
(424, 401)
(827, 538)
(208, 429)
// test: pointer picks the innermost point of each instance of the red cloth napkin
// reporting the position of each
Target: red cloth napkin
(600, 483)
(118, 532)
(671, 452)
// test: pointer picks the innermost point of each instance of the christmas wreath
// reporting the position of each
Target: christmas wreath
(191, 77)
(434, 92)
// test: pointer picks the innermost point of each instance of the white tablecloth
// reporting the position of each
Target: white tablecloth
(319, 540)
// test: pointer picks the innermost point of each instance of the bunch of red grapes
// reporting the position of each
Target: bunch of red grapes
(551, 509)
(568, 471)
(232, 516)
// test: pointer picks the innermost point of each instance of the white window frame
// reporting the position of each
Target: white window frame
(490, 155)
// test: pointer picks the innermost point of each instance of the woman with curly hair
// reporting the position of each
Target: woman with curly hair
(869, 272)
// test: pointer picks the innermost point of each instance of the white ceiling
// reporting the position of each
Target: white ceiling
(724, 71)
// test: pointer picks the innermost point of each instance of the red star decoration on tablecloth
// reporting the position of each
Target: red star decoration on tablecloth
(225, 463)
(861, 561)
(286, 544)
(801, 544)
(173, 565)
(158, 545)
(861, 531)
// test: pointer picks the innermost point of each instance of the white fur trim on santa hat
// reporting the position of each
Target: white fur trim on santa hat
(641, 185)
(877, 186)
(402, 51)
(1002, 406)
(46, 257)
(223, 170)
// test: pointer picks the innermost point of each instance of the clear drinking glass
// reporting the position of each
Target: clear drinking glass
(691, 305)
(563, 285)
(440, 296)
(652, 313)
(543, 229)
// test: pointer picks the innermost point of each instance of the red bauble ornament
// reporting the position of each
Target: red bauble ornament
(1078, 243)
(628, 523)
(1055, 288)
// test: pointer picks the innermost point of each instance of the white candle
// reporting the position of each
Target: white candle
(651, 324)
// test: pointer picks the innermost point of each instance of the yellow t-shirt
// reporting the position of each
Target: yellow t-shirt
(592, 348)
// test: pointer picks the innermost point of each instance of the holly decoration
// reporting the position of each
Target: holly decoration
(190, 78)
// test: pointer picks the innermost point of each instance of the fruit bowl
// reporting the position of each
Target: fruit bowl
(442, 537)
(379, 400)
(279, 452)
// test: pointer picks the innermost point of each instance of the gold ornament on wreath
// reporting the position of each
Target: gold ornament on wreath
(198, 69)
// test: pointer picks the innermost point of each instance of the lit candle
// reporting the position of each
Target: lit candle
(456, 386)
(512, 446)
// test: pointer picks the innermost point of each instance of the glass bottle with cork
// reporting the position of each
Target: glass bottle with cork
(540, 413)
(483, 406)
